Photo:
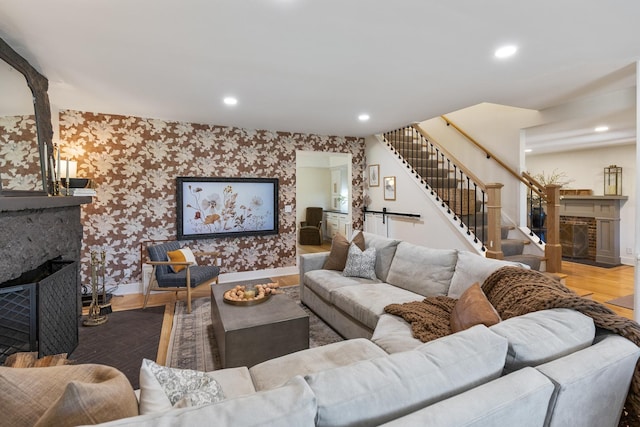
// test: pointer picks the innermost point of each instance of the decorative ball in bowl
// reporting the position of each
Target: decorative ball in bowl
(244, 295)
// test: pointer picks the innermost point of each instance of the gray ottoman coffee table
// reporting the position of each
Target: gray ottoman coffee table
(248, 335)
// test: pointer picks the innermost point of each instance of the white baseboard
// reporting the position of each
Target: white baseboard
(260, 274)
(138, 288)
(128, 288)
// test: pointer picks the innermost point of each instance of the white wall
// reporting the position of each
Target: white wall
(432, 229)
(496, 127)
(586, 169)
(314, 186)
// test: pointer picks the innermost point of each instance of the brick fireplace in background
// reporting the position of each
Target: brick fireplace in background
(578, 237)
(599, 217)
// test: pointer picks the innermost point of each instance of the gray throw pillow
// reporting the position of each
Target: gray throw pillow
(360, 263)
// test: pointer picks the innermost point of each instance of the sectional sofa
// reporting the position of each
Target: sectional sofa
(546, 368)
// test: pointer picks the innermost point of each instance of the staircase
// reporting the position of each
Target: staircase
(460, 192)
(512, 248)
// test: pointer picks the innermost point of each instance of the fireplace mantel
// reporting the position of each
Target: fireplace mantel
(8, 204)
(38, 229)
(606, 211)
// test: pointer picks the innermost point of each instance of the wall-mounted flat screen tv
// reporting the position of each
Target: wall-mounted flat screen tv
(223, 207)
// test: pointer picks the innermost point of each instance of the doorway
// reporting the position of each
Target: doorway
(324, 180)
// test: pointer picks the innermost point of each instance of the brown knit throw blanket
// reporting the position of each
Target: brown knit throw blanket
(516, 291)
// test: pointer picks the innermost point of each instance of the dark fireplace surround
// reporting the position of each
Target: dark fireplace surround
(39, 273)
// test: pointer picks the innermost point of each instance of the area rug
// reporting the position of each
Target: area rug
(122, 342)
(193, 346)
(625, 302)
(590, 262)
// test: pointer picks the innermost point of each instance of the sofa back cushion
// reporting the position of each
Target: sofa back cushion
(292, 404)
(519, 399)
(425, 271)
(385, 251)
(542, 336)
(592, 384)
(471, 268)
(375, 391)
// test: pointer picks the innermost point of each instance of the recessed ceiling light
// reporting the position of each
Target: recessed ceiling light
(506, 51)
(363, 117)
(230, 100)
(528, 150)
(601, 128)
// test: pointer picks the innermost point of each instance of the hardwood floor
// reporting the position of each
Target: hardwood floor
(604, 283)
(600, 284)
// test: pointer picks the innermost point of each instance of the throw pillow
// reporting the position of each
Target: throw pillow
(473, 308)
(163, 388)
(360, 263)
(181, 255)
(340, 250)
(67, 395)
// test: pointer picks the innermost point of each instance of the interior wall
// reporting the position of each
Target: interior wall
(314, 185)
(496, 127)
(134, 162)
(432, 229)
(586, 170)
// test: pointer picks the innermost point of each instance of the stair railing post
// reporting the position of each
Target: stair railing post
(494, 207)
(553, 249)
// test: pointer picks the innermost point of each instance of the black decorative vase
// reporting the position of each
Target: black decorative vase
(538, 215)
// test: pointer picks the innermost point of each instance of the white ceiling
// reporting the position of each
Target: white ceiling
(314, 66)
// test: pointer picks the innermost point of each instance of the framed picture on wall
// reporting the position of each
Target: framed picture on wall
(389, 187)
(225, 207)
(374, 175)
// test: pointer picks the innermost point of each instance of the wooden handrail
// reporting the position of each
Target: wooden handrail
(451, 157)
(536, 187)
(493, 156)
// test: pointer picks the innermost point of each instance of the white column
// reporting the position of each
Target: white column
(636, 249)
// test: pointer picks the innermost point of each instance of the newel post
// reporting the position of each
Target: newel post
(553, 249)
(494, 220)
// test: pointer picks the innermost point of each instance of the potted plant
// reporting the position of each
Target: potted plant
(538, 215)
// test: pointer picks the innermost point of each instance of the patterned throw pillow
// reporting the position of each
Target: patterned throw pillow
(181, 255)
(163, 388)
(360, 263)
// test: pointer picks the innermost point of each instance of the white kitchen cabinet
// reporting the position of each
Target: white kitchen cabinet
(336, 222)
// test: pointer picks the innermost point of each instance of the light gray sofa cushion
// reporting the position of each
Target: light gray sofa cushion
(366, 303)
(519, 399)
(375, 391)
(425, 271)
(275, 372)
(234, 381)
(290, 405)
(479, 354)
(394, 335)
(542, 336)
(591, 384)
(323, 282)
(471, 268)
(385, 250)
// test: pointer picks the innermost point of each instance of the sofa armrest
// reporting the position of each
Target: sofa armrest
(310, 262)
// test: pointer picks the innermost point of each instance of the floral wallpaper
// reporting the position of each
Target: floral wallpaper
(134, 163)
(19, 157)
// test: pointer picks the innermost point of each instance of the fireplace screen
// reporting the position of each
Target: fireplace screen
(39, 311)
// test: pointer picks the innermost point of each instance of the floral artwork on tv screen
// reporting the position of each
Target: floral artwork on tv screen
(222, 207)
